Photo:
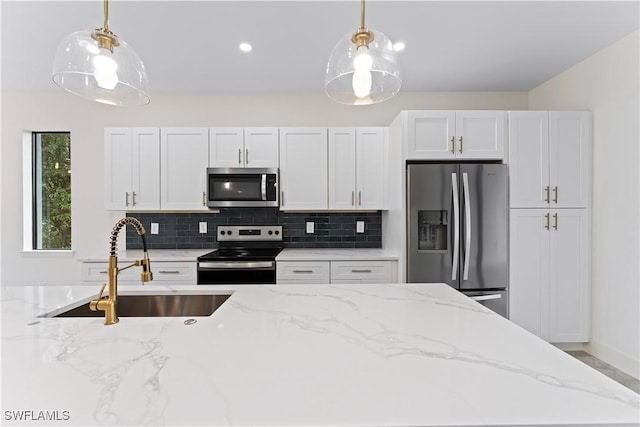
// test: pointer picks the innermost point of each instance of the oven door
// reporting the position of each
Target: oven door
(242, 187)
(236, 272)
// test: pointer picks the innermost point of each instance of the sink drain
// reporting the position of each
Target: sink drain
(190, 321)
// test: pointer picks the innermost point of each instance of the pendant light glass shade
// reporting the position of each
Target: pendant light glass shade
(354, 79)
(363, 67)
(97, 65)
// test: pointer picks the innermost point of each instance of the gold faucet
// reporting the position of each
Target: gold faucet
(110, 304)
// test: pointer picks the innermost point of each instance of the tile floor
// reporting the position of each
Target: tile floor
(608, 370)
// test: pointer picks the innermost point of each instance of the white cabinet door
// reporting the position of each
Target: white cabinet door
(132, 168)
(342, 168)
(528, 159)
(568, 298)
(357, 172)
(303, 168)
(431, 134)
(184, 161)
(528, 269)
(371, 170)
(480, 134)
(549, 273)
(226, 147)
(117, 168)
(145, 194)
(261, 148)
(243, 147)
(569, 136)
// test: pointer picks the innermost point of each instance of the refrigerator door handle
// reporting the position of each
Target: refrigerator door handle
(456, 226)
(467, 227)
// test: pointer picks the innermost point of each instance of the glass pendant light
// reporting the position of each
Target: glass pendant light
(363, 68)
(97, 65)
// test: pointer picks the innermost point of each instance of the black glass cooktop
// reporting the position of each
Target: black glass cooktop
(241, 254)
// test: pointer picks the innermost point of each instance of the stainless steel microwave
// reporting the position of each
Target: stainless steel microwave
(242, 187)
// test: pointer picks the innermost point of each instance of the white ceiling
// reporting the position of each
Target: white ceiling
(193, 45)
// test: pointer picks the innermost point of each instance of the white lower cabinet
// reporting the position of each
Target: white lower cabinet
(549, 273)
(334, 272)
(307, 272)
(176, 272)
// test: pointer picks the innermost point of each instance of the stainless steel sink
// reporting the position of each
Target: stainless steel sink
(156, 305)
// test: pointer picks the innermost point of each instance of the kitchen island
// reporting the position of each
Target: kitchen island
(285, 355)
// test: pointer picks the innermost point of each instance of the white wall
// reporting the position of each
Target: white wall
(59, 111)
(608, 84)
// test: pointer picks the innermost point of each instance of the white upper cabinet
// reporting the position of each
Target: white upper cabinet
(433, 135)
(549, 159)
(243, 147)
(184, 161)
(303, 168)
(132, 168)
(357, 168)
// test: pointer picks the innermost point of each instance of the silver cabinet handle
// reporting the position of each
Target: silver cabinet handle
(453, 145)
(547, 198)
(204, 199)
(126, 198)
(359, 198)
(361, 271)
(246, 156)
(467, 228)
(555, 221)
(546, 224)
(555, 194)
(460, 140)
(239, 156)
(282, 198)
(169, 272)
(352, 197)
(104, 272)
(133, 198)
(456, 225)
(303, 271)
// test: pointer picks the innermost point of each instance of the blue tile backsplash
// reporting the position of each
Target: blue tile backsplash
(332, 230)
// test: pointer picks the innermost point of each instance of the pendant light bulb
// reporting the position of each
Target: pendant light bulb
(362, 79)
(105, 71)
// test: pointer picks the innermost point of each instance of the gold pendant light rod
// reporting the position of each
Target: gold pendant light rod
(106, 16)
(363, 36)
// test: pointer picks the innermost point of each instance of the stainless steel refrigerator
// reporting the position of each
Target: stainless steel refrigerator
(458, 229)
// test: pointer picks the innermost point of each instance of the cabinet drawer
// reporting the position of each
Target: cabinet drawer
(316, 272)
(362, 271)
(184, 272)
(174, 271)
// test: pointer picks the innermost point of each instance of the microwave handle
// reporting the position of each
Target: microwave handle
(263, 186)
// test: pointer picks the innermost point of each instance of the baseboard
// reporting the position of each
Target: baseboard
(613, 357)
(571, 346)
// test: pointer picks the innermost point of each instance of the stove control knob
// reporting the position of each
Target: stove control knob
(277, 232)
(229, 232)
(222, 232)
(270, 232)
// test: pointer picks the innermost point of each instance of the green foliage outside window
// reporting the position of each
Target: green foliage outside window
(52, 189)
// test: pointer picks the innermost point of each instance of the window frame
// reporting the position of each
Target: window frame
(29, 199)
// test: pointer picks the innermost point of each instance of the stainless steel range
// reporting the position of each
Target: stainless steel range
(245, 255)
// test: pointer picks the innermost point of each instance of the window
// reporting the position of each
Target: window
(50, 195)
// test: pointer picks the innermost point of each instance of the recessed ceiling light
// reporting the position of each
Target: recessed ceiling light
(398, 47)
(245, 47)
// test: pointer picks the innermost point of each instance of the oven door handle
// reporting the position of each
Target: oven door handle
(235, 265)
(263, 186)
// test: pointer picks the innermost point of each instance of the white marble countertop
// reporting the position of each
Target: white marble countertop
(331, 254)
(348, 355)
